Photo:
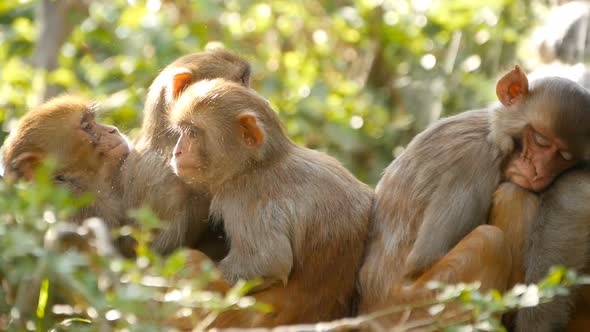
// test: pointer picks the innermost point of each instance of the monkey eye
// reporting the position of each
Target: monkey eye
(192, 133)
(85, 125)
(541, 140)
(566, 155)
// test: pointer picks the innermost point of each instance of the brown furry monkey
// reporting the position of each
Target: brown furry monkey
(293, 216)
(88, 155)
(147, 179)
(441, 188)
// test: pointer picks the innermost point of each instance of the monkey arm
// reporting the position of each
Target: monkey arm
(559, 236)
(260, 247)
(450, 216)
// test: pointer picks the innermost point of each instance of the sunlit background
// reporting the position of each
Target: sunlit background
(357, 79)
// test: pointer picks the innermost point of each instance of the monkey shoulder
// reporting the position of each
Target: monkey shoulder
(451, 157)
(455, 143)
(306, 186)
(328, 175)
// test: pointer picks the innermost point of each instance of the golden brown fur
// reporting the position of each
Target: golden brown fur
(481, 256)
(558, 236)
(513, 211)
(88, 154)
(291, 215)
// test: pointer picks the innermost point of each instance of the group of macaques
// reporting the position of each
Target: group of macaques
(497, 195)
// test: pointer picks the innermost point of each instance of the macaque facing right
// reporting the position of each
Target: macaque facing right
(294, 217)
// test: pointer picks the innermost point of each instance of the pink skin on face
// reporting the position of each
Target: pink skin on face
(543, 157)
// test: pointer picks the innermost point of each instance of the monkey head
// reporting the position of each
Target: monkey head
(225, 129)
(172, 81)
(65, 129)
(192, 68)
(549, 120)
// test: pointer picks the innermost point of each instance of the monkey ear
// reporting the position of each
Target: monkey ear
(179, 82)
(512, 87)
(250, 130)
(25, 164)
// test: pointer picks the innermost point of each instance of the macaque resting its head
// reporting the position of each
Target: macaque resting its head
(550, 124)
(440, 189)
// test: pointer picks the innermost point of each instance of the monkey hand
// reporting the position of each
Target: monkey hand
(236, 267)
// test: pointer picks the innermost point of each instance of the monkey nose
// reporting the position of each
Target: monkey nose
(177, 153)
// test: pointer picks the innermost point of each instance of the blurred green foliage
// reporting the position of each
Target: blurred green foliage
(58, 276)
(357, 79)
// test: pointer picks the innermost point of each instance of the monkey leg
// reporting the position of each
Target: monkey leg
(480, 256)
(296, 302)
(483, 255)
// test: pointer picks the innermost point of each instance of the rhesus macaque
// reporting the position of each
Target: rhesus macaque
(441, 187)
(294, 217)
(88, 154)
(147, 179)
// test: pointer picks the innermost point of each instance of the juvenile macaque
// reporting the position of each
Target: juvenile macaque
(146, 177)
(441, 187)
(294, 217)
(88, 154)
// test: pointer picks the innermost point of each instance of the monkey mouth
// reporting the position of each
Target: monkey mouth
(121, 149)
(535, 184)
(523, 173)
(179, 168)
(540, 183)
